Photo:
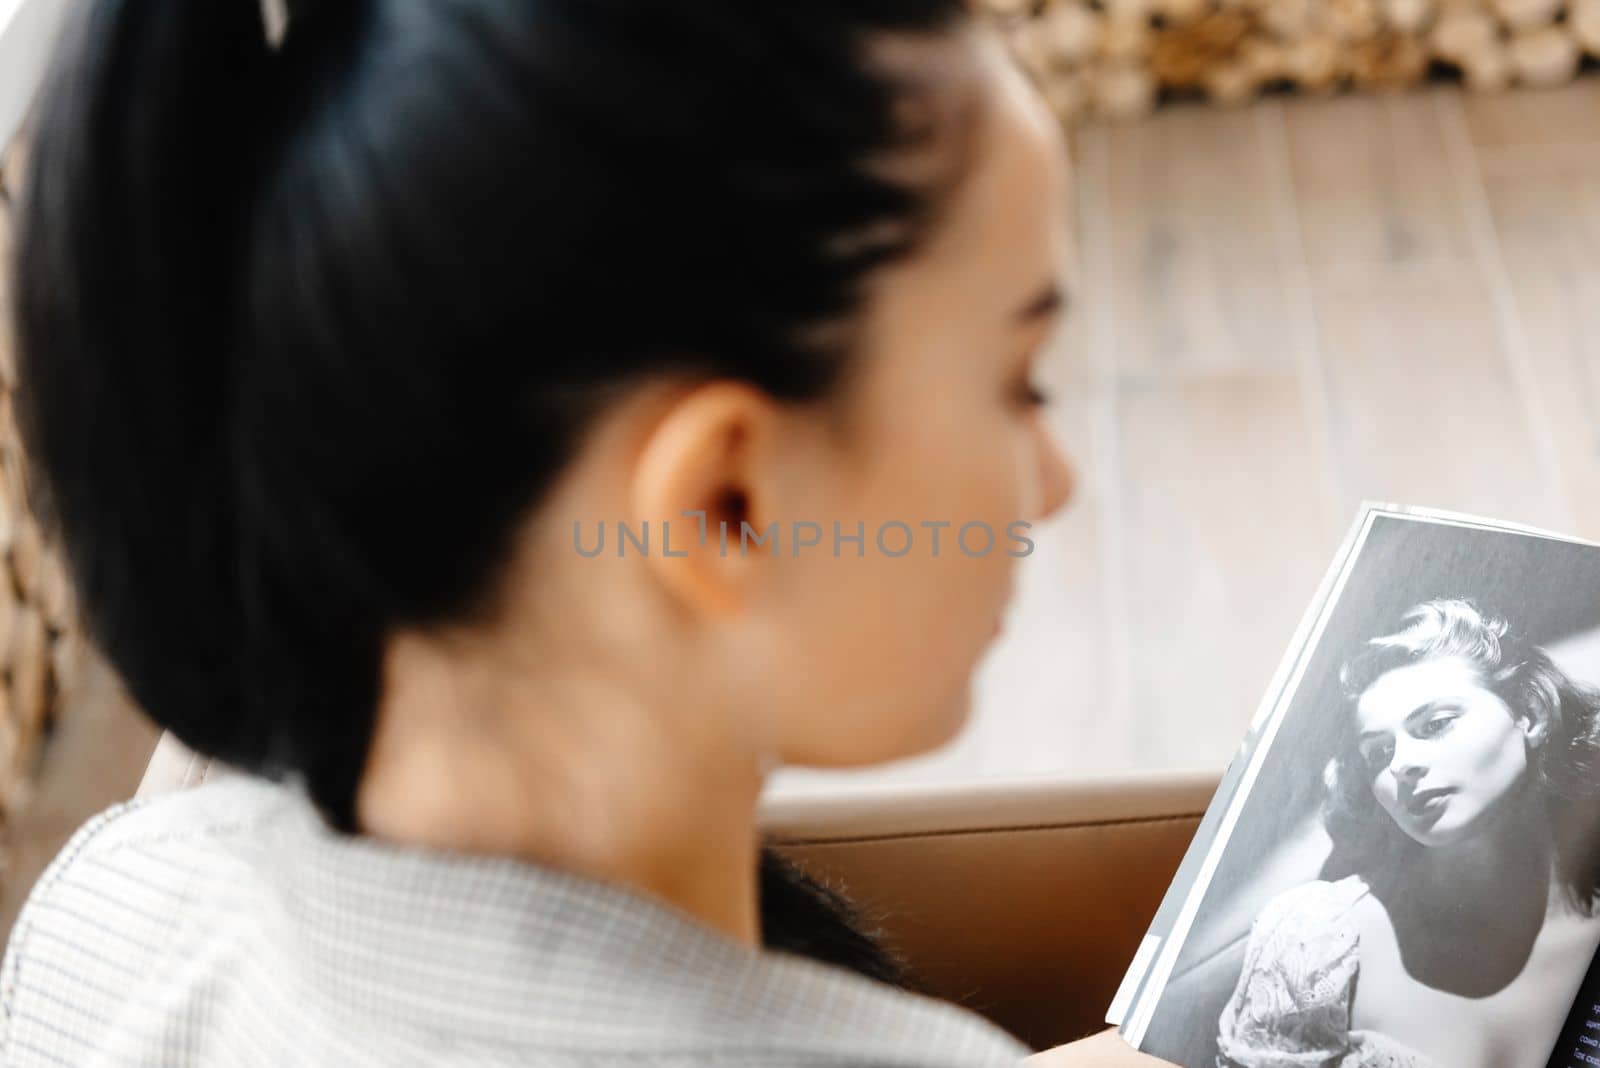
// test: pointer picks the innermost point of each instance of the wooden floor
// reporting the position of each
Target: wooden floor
(1283, 311)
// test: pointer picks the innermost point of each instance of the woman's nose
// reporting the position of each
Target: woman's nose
(1406, 764)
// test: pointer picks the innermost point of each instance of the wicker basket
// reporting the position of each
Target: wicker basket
(40, 643)
(1119, 58)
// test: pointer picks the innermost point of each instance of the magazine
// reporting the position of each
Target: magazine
(1401, 866)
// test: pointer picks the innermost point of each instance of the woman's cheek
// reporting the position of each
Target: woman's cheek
(1383, 791)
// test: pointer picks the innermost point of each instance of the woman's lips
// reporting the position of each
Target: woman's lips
(1424, 802)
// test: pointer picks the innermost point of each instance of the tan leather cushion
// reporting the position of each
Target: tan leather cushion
(1023, 900)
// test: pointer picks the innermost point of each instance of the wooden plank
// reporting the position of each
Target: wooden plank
(1226, 543)
(1196, 265)
(1220, 472)
(1530, 126)
(1424, 407)
(1373, 182)
(1546, 215)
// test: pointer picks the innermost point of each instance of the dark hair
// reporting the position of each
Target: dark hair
(304, 332)
(804, 915)
(1522, 675)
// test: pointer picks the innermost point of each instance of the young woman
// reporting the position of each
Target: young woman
(341, 346)
(1458, 905)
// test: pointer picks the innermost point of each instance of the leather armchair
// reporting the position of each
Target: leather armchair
(1021, 899)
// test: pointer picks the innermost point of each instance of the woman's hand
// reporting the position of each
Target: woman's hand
(1105, 1050)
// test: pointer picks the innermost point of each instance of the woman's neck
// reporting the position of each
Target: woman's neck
(1513, 859)
(579, 775)
(1467, 916)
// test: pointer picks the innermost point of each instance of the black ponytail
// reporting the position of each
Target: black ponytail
(306, 333)
(127, 291)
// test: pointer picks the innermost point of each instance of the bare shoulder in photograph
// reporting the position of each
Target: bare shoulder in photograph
(1407, 876)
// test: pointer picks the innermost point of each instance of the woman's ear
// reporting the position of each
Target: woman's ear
(1536, 730)
(700, 476)
(1538, 718)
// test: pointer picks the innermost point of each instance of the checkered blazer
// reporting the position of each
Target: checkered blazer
(228, 925)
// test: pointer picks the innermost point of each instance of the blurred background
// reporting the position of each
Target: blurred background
(1329, 250)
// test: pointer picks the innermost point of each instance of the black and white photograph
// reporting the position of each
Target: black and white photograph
(1406, 876)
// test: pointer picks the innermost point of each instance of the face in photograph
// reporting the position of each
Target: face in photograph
(1445, 753)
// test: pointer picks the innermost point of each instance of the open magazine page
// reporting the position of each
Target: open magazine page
(1195, 859)
(1400, 869)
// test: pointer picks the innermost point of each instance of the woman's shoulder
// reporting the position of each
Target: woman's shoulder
(1293, 992)
(1308, 930)
(1314, 905)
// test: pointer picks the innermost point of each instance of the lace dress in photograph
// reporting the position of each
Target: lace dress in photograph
(1291, 1007)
